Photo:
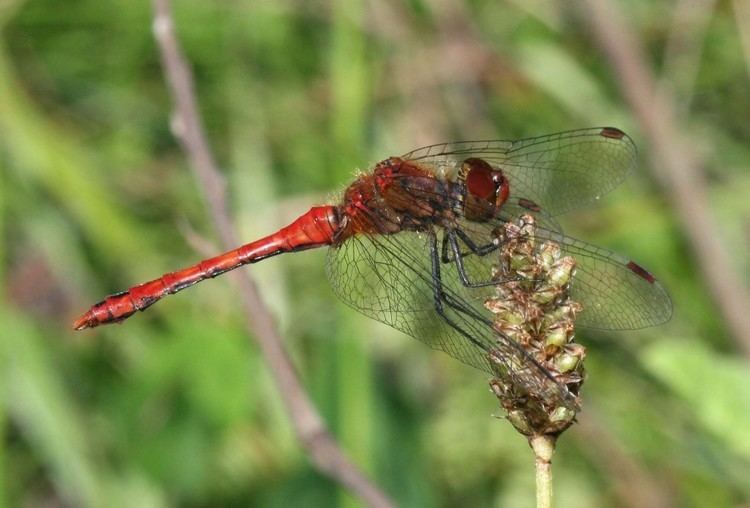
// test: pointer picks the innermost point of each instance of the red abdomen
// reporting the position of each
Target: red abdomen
(318, 227)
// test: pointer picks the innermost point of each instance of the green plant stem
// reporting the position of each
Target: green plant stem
(544, 447)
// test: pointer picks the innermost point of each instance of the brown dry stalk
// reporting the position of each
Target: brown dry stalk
(324, 451)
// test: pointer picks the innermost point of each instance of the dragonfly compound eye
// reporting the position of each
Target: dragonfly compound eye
(479, 178)
(484, 183)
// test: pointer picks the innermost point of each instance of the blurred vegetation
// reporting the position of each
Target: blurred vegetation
(176, 407)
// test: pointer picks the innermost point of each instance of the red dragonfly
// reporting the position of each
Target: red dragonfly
(411, 243)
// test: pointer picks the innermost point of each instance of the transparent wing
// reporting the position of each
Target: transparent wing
(543, 219)
(616, 293)
(559, 172)
(389, 278)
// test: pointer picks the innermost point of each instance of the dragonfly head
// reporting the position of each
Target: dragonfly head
(487, 189)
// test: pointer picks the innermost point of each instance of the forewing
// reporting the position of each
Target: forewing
(559, 172)
(389, 278)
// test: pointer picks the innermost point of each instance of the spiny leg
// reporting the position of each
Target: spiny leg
(441, 297)
(479, 250)
(450, 240)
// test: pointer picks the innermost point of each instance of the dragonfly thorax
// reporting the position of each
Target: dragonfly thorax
(398, 195)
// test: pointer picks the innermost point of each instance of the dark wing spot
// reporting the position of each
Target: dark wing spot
(529, 205)
(641, 272)
(612, 132)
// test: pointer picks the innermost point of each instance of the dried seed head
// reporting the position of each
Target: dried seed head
(556, 336)
(566, 362)
(532, 307)
(548, 253)
(562, 414)
(561, 272)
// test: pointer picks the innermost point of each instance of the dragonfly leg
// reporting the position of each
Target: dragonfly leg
(479, 250)
(441, 299)
(444, 257)
(450, 239)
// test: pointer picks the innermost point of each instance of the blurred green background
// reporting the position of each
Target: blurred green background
(176, 407)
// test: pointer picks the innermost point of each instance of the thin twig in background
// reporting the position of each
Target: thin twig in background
(674, 162)
(742, 17)
(324, 452)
